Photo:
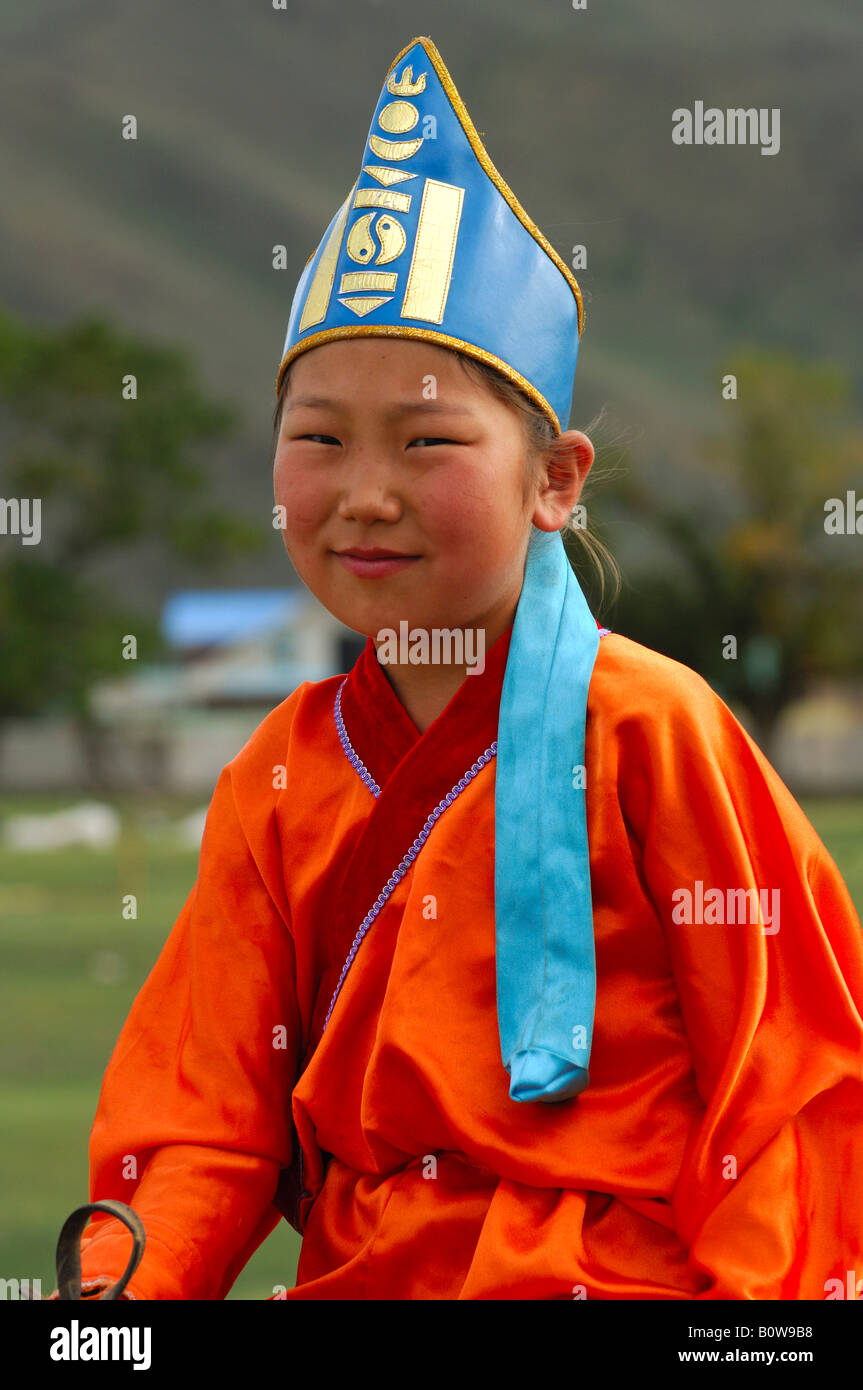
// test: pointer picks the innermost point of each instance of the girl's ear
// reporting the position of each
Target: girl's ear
(567, 461)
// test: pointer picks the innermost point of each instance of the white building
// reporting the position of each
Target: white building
(173, 725)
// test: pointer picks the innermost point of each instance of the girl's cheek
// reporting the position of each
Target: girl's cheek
(303, 498)
(446, 505)
(458, 520)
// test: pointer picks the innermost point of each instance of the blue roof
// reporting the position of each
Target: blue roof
(218, 617)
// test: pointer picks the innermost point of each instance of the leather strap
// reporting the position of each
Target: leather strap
(69, 1248)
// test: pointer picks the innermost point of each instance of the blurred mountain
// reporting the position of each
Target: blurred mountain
(251, 123)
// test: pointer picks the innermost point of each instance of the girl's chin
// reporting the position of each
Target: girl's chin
(387, 622)
(373, 611)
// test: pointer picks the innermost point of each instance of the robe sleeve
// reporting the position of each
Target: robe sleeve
(193, 1119)
(769, 1199)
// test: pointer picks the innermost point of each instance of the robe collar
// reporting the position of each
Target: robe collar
(383, 733)
(413, 771)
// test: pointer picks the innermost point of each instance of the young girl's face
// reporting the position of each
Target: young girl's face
(389, 444)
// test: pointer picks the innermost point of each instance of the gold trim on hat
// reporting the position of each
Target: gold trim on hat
(430, 335)
(483, 157)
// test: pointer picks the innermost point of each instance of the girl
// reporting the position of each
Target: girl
(522, 982)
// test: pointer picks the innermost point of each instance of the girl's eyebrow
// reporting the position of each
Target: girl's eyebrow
(401, 408)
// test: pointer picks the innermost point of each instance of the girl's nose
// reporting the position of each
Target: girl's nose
(369, 492)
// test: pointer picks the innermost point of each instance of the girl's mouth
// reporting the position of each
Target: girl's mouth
(371, 565)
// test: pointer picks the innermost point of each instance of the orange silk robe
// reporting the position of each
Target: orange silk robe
(717, 1152)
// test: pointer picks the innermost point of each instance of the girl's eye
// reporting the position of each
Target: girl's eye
(330, 439)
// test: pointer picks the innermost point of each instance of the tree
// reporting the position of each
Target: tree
(756, 591)
(109, 471)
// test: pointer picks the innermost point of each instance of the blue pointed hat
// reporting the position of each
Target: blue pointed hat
(431, 243)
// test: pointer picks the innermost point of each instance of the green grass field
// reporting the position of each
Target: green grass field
(71, 968)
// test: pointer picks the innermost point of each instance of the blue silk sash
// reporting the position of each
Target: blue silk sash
(546, 963)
